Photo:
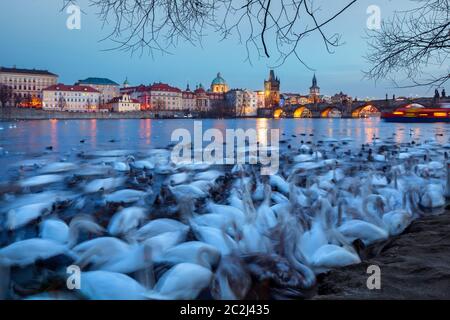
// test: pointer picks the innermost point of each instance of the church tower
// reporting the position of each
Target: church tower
(272, 91)
(314, 91)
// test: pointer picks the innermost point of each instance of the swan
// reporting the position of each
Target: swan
(103, 184)
(187, 191)
(125, 196)
(26, 252)
(54, 229)
(203, 185)
(215, 237)
(21, 216)
(184, 281)
(232, 212)
(231, 281)
(192, 252)
(178, 178)
(126, 220)
(158, 226)
(111, 254)
(123, 166)
(210, 175)
(143, 164)
(99, 250)
(265, 217)
(105, 285)
(363, 230)
(57, 167)
(433, 196)
(41, 180)
(316, 244)
(278, 182)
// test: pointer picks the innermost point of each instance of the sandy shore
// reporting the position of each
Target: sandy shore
(414, 265)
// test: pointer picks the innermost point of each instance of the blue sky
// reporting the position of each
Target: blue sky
(34, 35)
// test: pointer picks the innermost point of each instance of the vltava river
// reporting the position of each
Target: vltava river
(32, 139)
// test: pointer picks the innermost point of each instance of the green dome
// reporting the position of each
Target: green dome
(218, 80)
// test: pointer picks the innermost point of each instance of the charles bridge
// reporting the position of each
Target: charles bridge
(355, 109)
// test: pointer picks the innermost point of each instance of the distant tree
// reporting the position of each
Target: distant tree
(264, 26)
(6, 94)
(411, 42)
(443, 93)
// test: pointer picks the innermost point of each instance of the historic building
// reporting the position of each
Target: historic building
(295, 98)
(189, 99)
(244, 102)
(63, 97)
(314, 91)
(26, 83)
(123, 103)
(341, 98)
(272, 91)
(108, 89)
(218, 85)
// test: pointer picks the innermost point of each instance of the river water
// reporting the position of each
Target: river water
(32, 139)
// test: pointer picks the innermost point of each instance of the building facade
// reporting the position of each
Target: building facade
(243, 102)
(26, 84)
(61, 97)
(272, 91)
(341, 98)
(124, 104)
(219, 85)
(108, 89)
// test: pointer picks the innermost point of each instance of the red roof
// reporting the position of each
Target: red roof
(163, 87)
(63, 87)
(117, 99)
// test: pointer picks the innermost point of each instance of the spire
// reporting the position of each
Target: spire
(187, 87)
(271, 75)
(314, 81)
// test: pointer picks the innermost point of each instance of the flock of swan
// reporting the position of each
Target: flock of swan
(141, 227)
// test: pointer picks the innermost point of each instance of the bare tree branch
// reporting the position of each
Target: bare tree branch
(411, 43)
(262, 26)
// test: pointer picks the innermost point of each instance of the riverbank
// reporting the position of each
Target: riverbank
(36, 114)
(414, 265)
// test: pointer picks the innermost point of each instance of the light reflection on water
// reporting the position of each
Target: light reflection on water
(30, 138)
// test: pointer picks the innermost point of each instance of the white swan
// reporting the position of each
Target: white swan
(184, 281)
(21, 216)
(125, 196)
(215, 237)
(105, 285)
(159, 226)
(26, 252)
(192, 252)
(126, 220)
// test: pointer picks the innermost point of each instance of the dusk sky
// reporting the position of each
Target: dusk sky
(34, 35)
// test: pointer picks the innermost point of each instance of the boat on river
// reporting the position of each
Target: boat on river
(418, 113)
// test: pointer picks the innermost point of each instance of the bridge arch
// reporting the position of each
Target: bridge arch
(331, 112)
(366, 111)
(278, 113)
(302, 112)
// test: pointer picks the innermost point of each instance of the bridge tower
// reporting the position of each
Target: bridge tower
(272, 91)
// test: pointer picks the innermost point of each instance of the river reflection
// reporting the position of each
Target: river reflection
(28, 139)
